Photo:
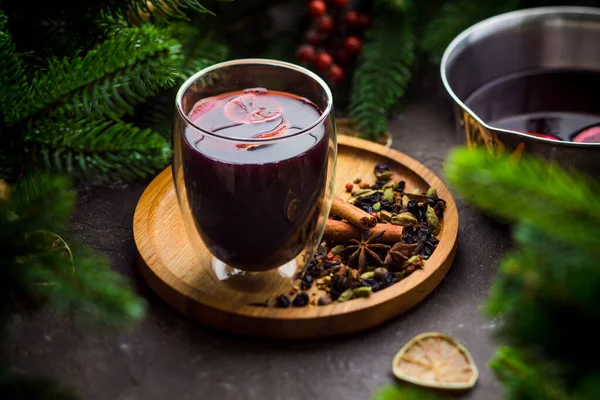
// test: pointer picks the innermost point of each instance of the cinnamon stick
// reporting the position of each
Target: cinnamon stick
(352, 214)
(342, 232)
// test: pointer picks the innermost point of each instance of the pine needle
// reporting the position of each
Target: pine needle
(157, 9)
(563, 204)
(100, 150)
(119, 73)
(527, 378)
(383, 72)
(13, 83)
(35, 272)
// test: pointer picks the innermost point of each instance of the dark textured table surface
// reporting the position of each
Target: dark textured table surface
(169, 357)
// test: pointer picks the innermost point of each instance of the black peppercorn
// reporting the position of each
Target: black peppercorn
(301, 300)
(282, 301)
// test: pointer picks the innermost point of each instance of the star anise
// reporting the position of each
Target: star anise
(361, 251)
(398, 254)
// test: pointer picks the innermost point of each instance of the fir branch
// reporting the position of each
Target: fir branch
(97, 296)
(456, 16)
(42, 202)
(120, 72)
(527, 378)
(99, 150)
(157, 9)
(533, 191)
(37, 269)
(13, 82)
(548, 283)
(383, 72)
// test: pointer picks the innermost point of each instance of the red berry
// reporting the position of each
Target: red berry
(325, 23)
(313, 38)
(336, 74)
(364, 21)
(349, 187)
(374, 214)
(341, 3)
(352, 18)
(330, 256)
(316, 8)
(352, 45)
(323, 61)
(306, 53)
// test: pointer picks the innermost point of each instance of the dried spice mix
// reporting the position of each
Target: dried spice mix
(380, 236)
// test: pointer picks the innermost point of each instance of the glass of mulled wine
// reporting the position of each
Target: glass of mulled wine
(255, 151)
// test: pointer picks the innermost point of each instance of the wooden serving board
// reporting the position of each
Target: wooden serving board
(187, 282)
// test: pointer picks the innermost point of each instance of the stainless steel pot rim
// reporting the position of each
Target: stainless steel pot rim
(498, 19)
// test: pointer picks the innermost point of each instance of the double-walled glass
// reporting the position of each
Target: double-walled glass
(257, 203)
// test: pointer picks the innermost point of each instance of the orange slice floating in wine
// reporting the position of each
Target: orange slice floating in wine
(252, 108)
(589, 135)
(202, 107)
(436, 361)
(279, 130)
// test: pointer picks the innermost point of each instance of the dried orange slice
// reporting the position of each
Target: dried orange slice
(250, 108)
(435, 360)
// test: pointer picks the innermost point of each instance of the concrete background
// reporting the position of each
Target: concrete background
(169, 357)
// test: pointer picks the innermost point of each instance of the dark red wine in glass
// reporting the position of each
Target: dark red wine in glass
(255, 204)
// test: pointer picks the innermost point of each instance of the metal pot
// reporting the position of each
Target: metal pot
(532, 39)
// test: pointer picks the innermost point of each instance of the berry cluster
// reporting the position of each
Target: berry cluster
(334, 39)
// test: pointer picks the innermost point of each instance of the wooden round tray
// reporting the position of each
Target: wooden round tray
(172, 268)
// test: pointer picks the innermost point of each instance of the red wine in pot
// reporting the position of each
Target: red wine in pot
(553, 103)
(254, 205)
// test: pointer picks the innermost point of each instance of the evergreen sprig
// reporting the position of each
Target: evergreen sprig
(454, 17)
(69, 118)
(119, 73)
(384, 70)
(159, 9)
(98, 150)
(545, 296)
(13, 82)
(39, 268)
(544, 195)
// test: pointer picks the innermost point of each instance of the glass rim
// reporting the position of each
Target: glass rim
(254, 61)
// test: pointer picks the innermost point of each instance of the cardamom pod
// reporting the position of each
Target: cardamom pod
(388, 195)
(362, 193)
(384, 175)
(431, 192)
(367, 275)
(416, 191)
(433, 221)
(364, 291)
(385, 216)
(377, 206)
(405, 201)
(389, 185)
(404, 219)
(347, 295)
(400, 275)
(337, 250)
